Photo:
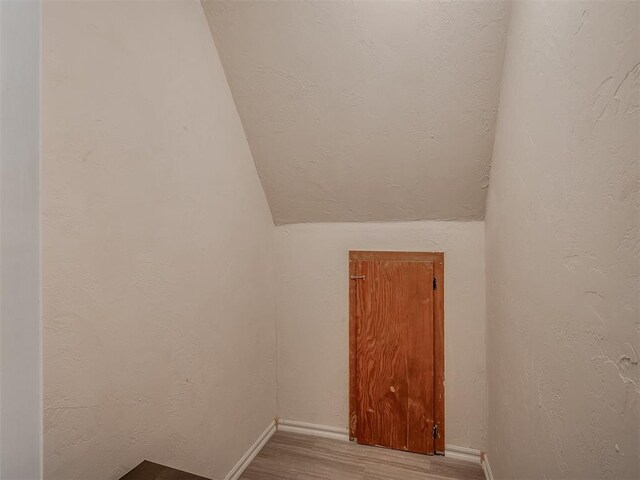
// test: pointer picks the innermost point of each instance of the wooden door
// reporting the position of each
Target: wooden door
(394, 310)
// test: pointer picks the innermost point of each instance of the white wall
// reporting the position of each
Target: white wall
(563, 246)
(159, 303)
(20, 325)
(313, 318)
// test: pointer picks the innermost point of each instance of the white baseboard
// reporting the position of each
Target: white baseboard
(462, 453)
(336, 433)
(487, 469)
(313, 429)
(246, 459)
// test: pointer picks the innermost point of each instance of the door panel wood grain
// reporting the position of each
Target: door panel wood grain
(392, 351)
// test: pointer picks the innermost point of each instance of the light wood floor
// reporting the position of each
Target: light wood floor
(290, 456)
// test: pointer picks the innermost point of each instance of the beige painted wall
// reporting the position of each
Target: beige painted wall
(159, 308)
(563, 246)
(313, 317)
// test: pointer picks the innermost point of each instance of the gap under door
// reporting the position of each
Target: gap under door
(396, 350)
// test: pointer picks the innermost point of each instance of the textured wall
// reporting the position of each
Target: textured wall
(563, 246)
(366, 111)
(20, 326)
(159, 305)
(313, 318)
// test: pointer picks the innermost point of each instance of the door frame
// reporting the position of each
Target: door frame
(437, 258)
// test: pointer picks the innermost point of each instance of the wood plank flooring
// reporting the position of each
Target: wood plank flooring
(290, 456)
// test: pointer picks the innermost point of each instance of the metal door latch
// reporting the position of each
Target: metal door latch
(358, 277)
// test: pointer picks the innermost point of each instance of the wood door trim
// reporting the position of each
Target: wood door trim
(438, 337)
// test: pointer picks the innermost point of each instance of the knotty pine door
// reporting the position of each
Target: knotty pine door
(395, 354)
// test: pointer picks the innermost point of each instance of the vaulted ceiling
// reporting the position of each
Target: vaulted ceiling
(366, 111)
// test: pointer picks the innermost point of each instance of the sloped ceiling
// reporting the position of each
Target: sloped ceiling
(366, 111)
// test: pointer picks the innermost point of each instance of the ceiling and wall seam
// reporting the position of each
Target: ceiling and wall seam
(244, 130)
(504, 56)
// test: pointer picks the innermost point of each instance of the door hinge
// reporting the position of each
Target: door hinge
(435, 283)
(435, 431)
